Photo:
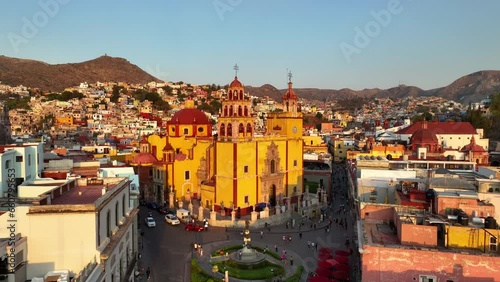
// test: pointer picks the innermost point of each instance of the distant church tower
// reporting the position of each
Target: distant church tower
(290, 99)
(236, 121)
(5, 130)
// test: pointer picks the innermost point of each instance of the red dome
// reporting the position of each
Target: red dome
(289, 93)
(236, 83)
(473, 147)
(144, 158)
(423, 135)
(189, 116)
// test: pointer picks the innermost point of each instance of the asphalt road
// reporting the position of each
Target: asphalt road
(166, 247)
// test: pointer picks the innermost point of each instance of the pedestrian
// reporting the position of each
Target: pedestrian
(286, 225)
(276, 247)
(300, 235)
(347, 242)
(261, 234)
(312, 245)
(148, 273)
(326, 229)
(201, 252)
(284, 239)
(290, 239)
(316, 247)
(308, 244)
(291, 261)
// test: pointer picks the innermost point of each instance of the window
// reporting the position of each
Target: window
(117, 206)
(493, 244)
(294, 162)
(123, 205)
(186, 175)
(245, 169)
(186, 131)
(108, 224)
(246, 199)
(172, 129)
(340, 152)
(273, 166)
(427, 278)
(19, 159)
(7, 164)
(200, 129)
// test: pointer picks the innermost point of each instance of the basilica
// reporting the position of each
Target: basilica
(235, 168)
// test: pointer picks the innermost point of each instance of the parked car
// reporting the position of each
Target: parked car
(150, 222)
(172, 219)
(193, 227)
(164, 210)
(153, 206)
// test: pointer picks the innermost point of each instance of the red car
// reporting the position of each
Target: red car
(193, 227)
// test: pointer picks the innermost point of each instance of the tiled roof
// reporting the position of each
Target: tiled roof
(441, 128)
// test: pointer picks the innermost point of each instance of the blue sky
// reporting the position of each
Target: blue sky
(423, 43)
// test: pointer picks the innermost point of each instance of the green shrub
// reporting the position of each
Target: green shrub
(271, 253)
(257, 272)
(225, 250)
(198, 275)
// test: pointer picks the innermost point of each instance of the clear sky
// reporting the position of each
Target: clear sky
(325, 43)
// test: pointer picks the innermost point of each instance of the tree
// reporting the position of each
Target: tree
(116, 93)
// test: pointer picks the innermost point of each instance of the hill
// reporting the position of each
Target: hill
(57, 77)
(469, 88)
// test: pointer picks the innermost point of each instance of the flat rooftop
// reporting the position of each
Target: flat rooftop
(81, 195)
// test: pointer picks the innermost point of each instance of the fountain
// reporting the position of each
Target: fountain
(247, 255)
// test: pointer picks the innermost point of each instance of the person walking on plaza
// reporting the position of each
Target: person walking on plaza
(276, 247)
(291, 261)
(300, 235)
(148, 273)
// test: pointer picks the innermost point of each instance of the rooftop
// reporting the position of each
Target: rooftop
(82, 195)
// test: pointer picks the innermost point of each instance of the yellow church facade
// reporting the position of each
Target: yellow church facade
(235, 168)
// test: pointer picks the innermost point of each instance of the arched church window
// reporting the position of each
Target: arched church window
(241, 94)
(231, 110)
(225, 111)
(245, 112)
(249, 128)
(229, 130)
(273, 166)
(240, 111)
(222, 130)
(241, 128)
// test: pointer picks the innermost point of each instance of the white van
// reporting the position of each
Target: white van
(183, 215)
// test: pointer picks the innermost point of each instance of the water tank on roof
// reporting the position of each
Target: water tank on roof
(429, 194)
(490, 223)
(463, 219)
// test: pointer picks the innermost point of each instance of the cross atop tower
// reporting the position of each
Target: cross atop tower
(290, 76)
(236, 69)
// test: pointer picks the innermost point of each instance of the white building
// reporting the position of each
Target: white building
(83, 225)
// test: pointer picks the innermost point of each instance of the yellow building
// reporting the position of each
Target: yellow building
(64, 120)
(339, 149)
(234, 169)
(481, 239)
(249, 169)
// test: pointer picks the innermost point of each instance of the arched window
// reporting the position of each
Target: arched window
(231, 110)
(273, 166)
(245, 113)
(235, 95)
(225, 111)
(117, 218)
(108, 224)
(230, 95)
(229, 129)
(241, 128)
(240, 111)
(222, 130)
(241, 94)
(249, 128)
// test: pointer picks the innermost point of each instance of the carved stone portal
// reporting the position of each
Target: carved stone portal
(272, 177)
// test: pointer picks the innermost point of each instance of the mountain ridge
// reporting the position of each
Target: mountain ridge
(472, 87)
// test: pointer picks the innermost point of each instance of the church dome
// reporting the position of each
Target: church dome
(473, 147)
(423, 135)
(236, 83)
(290, 94)
(189, 116)
(144, 158)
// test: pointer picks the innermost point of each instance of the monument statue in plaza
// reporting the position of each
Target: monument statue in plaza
(246, 233)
